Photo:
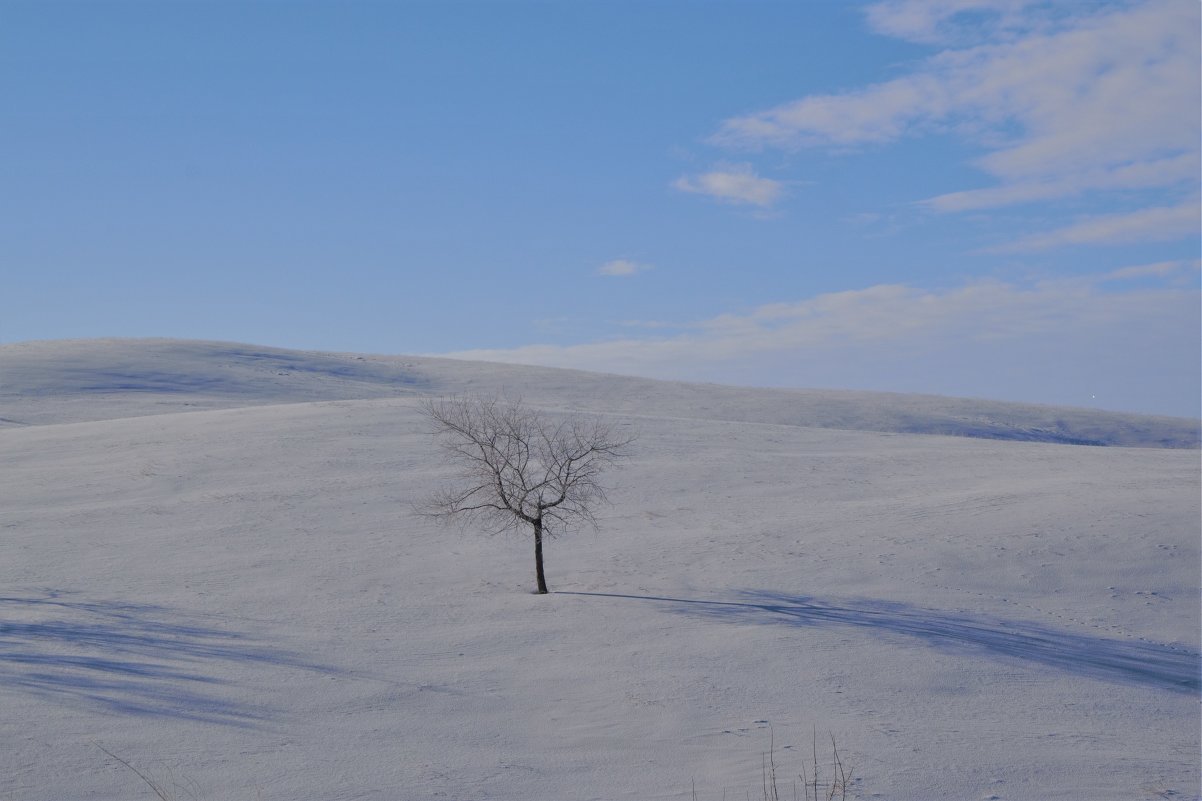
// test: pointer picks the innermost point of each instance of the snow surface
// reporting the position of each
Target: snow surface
(210, 568)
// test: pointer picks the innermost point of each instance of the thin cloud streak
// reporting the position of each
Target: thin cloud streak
(1160, 172)
(1157, 224)
(622, 268)
(1159, 269)
(1061, 341)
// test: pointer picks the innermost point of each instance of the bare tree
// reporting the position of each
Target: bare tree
(519, 467)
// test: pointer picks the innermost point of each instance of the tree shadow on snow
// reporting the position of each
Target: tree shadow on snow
(133, 659)
(1124, 661)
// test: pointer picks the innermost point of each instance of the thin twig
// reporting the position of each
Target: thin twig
(153, 785)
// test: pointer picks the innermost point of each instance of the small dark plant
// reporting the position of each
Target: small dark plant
(814, 786)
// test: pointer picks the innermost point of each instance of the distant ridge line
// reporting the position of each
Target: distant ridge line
(46, 382)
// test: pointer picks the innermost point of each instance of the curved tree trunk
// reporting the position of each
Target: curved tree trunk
(538, 556)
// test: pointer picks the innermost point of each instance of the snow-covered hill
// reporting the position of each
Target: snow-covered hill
(210, 569)
(45, 382)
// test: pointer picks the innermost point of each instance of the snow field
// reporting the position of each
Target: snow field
(241, 601)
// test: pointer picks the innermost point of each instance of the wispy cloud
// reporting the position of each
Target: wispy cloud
(1180, 169)
(1160, 223)
(1062, 340)
(1160, 269)
(733, 183)
(622, 267)
(933, 21)
(1065, 99)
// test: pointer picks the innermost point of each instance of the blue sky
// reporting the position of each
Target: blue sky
(991, 198)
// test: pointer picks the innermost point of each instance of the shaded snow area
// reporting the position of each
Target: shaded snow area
(211, 569)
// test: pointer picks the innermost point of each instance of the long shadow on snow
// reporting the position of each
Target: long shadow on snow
(130, 658)
(1124, 661)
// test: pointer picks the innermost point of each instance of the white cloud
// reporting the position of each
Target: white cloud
(1146, 225)
(1064, 98)
(1148, 174)
(931, 21)
(622, 267)
(733, 183)
(876, 114)
(1160, 269)
(1055, 341)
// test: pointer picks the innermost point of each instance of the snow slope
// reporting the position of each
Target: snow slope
(48, 382)
(211, 570)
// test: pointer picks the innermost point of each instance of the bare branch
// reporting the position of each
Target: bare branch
(516, 465)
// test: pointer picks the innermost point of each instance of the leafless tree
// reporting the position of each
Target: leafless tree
(520, 467)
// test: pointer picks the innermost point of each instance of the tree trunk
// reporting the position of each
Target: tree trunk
(538, 556)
